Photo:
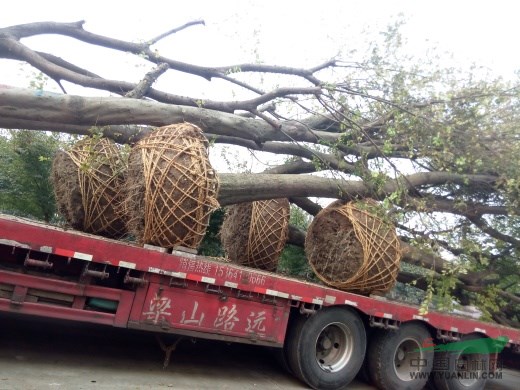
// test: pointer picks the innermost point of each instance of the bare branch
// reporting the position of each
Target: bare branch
(175, 30)
(144, 85)
(75, 30)
(453, 207)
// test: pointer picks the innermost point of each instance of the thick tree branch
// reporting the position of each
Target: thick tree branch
(483, 225)
(297, 166)
(236, 189)
(19, 104)
(306, 204)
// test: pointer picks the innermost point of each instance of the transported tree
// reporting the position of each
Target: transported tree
(437, 148)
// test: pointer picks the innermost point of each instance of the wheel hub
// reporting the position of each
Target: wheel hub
(407, 359)
(334, 347)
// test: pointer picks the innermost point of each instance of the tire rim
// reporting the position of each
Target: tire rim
(467, 376)
(407, 359)
(334, 347)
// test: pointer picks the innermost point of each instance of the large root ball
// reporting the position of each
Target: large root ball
(171, 187)
(88, 183)
(254, 234)
(351, 248)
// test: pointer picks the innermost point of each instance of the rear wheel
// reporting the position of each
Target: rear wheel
(327, 349)
(281, 359)
(463, 369)
(395, 358)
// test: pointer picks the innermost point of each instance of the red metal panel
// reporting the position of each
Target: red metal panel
(59, 286)
(198, 311)
(22, 282)
(60, 312)
(137, 307)
(185, 266)
(123, 309)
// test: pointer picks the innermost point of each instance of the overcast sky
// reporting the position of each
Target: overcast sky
(294, 33)
(289, 32)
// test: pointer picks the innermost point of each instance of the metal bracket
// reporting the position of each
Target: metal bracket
(240, 295)
(134, 280)
(45, 264)
(96, 274)
(176, 282)
(308, 310)
(211, 290)
(384, 323)
(446, 335)
(266, 299)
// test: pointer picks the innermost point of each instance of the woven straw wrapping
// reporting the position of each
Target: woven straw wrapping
(367, 261)
(88, 183)
(254, 234)
(267, 233)
(171, 187)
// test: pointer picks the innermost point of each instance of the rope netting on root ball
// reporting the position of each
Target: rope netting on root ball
(254, 234)
(171, 187)
(88, 183)
(351, 248)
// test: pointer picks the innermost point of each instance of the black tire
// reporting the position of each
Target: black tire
(363, 371)
(362, 374)
(291, 345)
(281, 358)
(470, 378)
(396, 360)
(327, 349)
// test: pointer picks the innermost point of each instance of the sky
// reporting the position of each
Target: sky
(292, 33)
(295, 33)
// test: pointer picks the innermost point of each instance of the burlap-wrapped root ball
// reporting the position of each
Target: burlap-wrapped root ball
(254, 233)
(171, 187)
(351, 248)
(88, 184)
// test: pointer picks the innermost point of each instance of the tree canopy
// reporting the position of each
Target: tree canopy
(437, 147)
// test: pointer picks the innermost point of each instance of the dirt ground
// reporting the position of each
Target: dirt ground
(46, 354)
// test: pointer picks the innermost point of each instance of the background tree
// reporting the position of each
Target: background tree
(293, 261)
(26, 159)
(437, 147)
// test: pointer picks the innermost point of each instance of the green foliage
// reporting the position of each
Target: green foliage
(26, 160)
(445, 286)
(211, 245)
(428, 299)
(445, 121)
(293, 261)
(489, 302)
(299, 218)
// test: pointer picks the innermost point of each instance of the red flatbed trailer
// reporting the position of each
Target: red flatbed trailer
(51, 272)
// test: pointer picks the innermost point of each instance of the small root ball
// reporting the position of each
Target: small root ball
(254, 233)
(88, 184)
(351, 248)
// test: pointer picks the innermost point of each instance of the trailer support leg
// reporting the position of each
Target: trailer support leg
(168, 349)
